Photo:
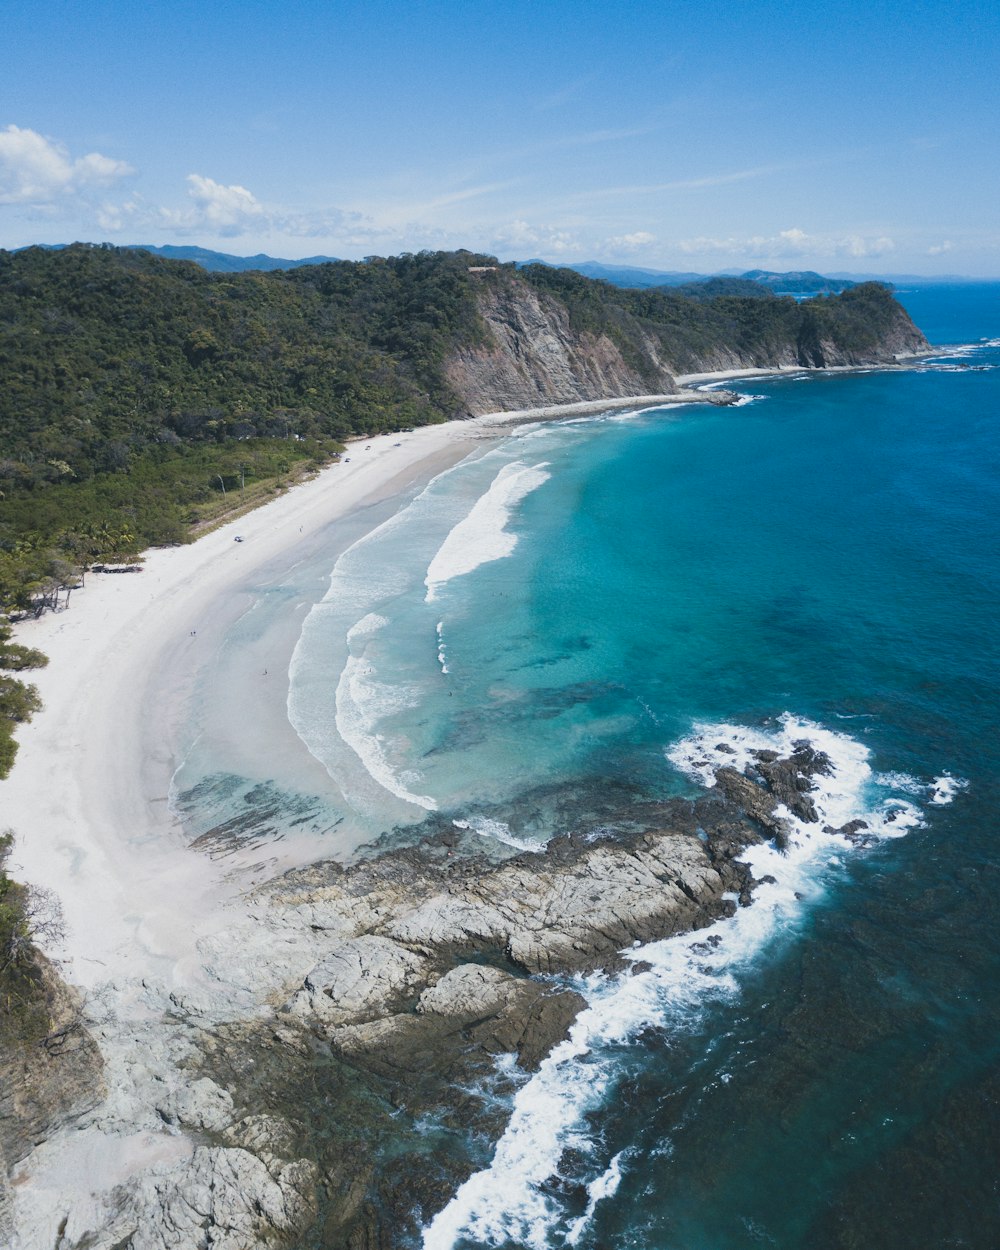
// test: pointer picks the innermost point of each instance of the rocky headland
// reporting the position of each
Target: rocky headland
(538, 348)
(353, 1021)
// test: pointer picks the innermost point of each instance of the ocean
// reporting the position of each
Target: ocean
(570, 622)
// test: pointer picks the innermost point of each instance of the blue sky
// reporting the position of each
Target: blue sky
(848, 135)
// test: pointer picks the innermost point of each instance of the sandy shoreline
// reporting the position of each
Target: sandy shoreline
(87, 798)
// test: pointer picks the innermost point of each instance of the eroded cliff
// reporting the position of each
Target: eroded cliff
(532, 357)
(552, 337)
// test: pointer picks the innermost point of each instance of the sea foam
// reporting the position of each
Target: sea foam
(362, 701)
(511, 1201)
(486, 827)
(944, 789)
(482, 535)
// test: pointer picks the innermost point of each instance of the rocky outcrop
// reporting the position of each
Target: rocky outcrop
(395, 984)
(535, 351)
(471, 1013)
(532, 357)
(427, 959)
(221, 1198)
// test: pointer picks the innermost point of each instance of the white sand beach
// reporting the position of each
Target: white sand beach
(87, 798)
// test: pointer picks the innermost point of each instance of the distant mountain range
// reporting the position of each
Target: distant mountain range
(801, 282)
(216, 262)
(797, 282)
(223, 262)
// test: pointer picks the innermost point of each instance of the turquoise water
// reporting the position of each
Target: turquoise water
(828, 1078)
(562, 626)
(818, 550)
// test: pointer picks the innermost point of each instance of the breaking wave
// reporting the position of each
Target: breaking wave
(362, 701)
(482, 535)
(486, 827)
(513, 1201)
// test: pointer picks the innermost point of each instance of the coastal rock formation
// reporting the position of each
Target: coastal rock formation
(512, 1016)
(223, 1198)
(534, 358)
(363, 979)
(396, 983)
(537, 350)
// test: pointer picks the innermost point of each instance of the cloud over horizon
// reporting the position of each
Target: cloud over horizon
(38, 171)
(790, 244)
(42, 181)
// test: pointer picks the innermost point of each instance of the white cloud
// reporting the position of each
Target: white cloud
(550, 240)
(630, 242)
(792, 243)
(323, 224)
(117, 217)
(221, 206)
(857, 246)
(220, 209)
(38, 171)
(215, 210)
(940, 248)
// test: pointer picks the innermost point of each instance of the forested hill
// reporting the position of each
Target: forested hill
(137, 394)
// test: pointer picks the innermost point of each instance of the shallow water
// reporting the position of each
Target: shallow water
(564, 625)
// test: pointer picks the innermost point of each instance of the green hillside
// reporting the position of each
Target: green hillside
(140, 396)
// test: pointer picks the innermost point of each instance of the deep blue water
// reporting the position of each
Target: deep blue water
(830, 1078)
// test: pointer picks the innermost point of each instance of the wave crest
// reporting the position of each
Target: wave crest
(511, 1201)
(482, 535)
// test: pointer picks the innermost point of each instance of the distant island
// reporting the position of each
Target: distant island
(214, 262)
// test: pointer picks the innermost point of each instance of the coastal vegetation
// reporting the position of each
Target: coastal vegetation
(142, 396)
(26, 916)
(18, 701)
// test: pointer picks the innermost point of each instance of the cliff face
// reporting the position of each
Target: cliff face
(897, 339)
(534, 353)
(533, 357)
